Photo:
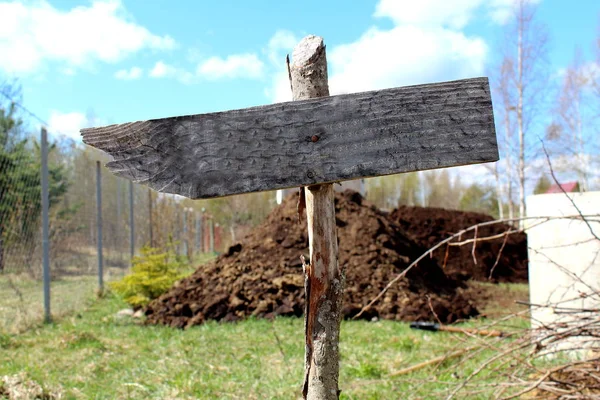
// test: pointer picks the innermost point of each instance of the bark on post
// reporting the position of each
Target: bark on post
(324, 280)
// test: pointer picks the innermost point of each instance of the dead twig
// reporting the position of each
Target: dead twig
(565, 193)
(485, 238)
(529, 388)
(435, 360)
(474, 244)
(499, 255)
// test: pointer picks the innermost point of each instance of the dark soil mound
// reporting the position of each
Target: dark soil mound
(429, 226)
(262, 276)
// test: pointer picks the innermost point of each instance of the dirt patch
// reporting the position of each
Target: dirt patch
(429, 226)
(262, 275)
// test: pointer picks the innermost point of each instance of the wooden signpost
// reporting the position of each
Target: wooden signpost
(310, 142)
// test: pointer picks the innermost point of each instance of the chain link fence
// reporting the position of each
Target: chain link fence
(96, 223)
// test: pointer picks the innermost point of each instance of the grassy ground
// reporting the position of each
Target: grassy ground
(22, 297)
(97, 355)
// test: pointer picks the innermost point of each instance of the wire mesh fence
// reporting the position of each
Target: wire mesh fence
(97, 222)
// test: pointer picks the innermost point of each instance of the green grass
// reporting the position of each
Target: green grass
(22, 298)
(97, 355)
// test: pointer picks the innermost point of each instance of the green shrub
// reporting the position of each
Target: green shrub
(152, 274)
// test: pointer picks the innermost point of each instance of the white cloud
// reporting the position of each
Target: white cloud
(280, 44)
(129, 74)
(500, 11)
(455, 14)
(34, 32)
(381, 59)
(234, 66)
(280, 89)
(163, 70)
(425, 45)
(589, 71)
(67, 124)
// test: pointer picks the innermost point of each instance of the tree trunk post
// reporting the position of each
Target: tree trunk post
(324, 280)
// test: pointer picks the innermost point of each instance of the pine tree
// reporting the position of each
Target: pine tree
(20, 184)
(542, 185)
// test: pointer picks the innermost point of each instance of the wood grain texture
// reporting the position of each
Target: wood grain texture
(272, 147)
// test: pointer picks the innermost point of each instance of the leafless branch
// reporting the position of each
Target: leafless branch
(459, 234)
(499, 254)
(565, 193)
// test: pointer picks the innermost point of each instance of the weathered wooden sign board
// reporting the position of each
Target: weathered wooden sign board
(310, 142)
(306, 142)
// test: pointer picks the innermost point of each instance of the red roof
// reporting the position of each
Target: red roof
(567, 187)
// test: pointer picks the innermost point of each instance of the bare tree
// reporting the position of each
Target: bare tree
(524, 78)
(499, 191)
(505, 109)
(572, 125)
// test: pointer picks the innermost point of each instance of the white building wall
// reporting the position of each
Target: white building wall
(564, 259)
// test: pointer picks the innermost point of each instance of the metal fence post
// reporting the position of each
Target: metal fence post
(184, 240)
(131, 222)
(212, 236)
(99, 225)
(202, 231)
(116, 242)
(199, 235)
(45, 225)
(150, 222)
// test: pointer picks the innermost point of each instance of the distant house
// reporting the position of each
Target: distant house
(568, 187)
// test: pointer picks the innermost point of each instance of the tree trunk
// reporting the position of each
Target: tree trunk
(520, 89)
(324, 280)
(509, 175)
(324, 283)
(580, 146)
(498, 192)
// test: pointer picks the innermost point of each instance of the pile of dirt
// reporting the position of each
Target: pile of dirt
(262, 276)
(429, 226)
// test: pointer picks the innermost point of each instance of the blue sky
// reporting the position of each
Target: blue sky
(83, 63)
